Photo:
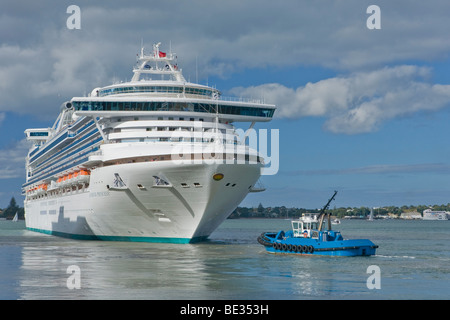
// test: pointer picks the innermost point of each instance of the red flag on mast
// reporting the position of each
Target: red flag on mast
(162, 54)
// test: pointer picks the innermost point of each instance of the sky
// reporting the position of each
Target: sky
(360, 110)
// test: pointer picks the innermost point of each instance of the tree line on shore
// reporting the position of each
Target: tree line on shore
(281, 211)
(352, 212)
(10, 211)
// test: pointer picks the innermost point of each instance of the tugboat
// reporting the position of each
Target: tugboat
(308, 237)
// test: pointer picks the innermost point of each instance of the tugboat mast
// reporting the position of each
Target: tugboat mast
(323, 213)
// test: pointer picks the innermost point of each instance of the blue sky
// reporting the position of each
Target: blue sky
(361, 111)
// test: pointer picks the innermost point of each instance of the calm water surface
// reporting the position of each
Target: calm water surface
(413, 257)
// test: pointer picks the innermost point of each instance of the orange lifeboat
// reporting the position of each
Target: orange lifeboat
(84, 175)
(39, 189)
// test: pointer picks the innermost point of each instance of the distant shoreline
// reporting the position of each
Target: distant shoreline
(361, 213)
(353, 218)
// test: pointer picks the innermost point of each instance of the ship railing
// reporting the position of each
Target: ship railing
(241, 99)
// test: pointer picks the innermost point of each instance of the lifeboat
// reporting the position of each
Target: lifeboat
(32, 191)
(70, 179)
(75, 176)
(83, 176)
(39, 189)
(58, 182)
(65, 181)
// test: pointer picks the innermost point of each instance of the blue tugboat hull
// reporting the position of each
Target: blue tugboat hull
(308, 237)
(279, 243)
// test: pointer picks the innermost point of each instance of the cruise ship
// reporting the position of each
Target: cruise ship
(155, 159)
(429, 214)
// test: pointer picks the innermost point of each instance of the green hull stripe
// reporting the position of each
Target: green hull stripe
(119, 238)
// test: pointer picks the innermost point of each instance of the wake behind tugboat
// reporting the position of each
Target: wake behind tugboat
(308, 237)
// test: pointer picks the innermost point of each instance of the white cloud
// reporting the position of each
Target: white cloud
(427, 168)
(359, 102)
(42, 63)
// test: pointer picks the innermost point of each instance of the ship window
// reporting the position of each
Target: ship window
(38, 134)
(170, 106)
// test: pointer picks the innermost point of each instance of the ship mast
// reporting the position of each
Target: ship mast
(157, 63)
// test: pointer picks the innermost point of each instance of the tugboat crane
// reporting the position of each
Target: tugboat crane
(311, 240)
(323, 213)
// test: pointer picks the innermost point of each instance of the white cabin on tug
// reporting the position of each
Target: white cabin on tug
(303, 226)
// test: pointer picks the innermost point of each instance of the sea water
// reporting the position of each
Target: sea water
(413, 262)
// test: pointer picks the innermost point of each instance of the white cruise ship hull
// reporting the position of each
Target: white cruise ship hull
(187, 209)
(154, 159)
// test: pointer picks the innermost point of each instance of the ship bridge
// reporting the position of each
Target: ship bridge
(167, 92)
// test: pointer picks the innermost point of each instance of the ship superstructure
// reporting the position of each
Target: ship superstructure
(154, 159)
(429, 214)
